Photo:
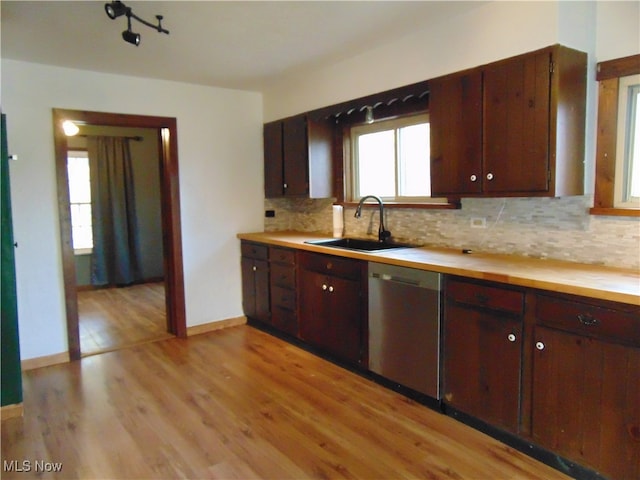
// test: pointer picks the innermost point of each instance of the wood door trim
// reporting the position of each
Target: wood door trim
(171, 223)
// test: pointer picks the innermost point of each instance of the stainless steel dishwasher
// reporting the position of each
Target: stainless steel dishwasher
(404, 326)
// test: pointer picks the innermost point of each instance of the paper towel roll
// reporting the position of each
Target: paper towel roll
(338, 221)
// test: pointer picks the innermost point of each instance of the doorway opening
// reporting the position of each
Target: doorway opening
(144, 298)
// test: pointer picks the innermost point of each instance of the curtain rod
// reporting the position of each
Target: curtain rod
(137, 138)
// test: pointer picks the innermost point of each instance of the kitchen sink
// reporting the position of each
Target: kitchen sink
(358, 244)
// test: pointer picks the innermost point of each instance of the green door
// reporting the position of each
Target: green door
(11, 373)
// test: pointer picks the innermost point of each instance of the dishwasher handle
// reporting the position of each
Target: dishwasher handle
(396, 279)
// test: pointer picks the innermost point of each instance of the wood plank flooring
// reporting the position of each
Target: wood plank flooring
(113, 318)
(238, 404)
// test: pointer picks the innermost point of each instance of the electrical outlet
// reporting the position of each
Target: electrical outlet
(269, 213)
(478, 222)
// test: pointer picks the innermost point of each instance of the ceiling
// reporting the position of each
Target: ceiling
(234, 44)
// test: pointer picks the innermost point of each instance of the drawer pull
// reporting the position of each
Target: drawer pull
(540, 345)
(330, 288)
(588, 319)
(254, 268)
(324, 286)
(483, 299)
(511, 337)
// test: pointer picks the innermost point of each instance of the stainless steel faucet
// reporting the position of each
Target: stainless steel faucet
(383, 234)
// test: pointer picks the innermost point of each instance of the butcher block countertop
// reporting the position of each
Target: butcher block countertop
(605, 283)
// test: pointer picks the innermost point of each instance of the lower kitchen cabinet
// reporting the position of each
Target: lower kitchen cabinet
(586, 383)
(255, 281)
(483, 351)
(332, 304)
(284, 313)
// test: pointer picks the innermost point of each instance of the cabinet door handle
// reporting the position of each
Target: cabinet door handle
(254, 268)
(489, 176)
(324, 286)
(511, 337)
(330, 288)
(540, 345)
(285, 186)
(473, 178)
(481, 298)
(588, 319)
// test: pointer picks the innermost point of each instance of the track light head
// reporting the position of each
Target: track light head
(115, 9)
(130, 37)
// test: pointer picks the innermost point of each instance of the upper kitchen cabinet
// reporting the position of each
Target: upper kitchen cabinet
(298, 158)
(511, 128)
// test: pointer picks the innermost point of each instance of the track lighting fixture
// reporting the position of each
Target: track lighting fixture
(129, 36)
(116, 9)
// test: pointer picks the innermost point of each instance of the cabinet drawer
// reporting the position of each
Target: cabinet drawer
(283, 275)
(285, 320)
(283, 297)
(486, 296)
(254, 250)
(331, 265)
(282, 255)
(587, 319)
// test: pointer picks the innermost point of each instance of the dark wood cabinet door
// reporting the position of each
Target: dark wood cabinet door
(248, 287)
(273, 160)
(586, 401)
(455, 116)
(255, 288)
(296, 156)
(314, 309)
(516, 124)
(345, 322)
(331, 314)
(482, 353)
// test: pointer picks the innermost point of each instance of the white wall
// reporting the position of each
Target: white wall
(221, 183)
(489, 32)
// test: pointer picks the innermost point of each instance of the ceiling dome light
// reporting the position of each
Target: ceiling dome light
(70, 128)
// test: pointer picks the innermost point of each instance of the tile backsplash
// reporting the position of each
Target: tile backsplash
(557, 228)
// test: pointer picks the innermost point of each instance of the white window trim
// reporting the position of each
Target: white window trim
(621, 141)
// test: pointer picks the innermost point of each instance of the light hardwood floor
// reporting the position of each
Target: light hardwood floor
(113, 318)
(239, 404)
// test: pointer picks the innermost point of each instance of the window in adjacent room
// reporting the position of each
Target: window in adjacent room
(627, 185)
(80, 201)
(391, 159)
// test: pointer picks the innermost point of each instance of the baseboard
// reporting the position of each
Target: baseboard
(45, 361)
(11, 411)
(212, 326)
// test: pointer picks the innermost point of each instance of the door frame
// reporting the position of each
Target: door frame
(170, 208)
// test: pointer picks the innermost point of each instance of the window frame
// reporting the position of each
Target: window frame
(628, 84)
(608, 77)
(351, 160)
(73, 153)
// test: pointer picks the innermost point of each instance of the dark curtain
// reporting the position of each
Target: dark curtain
(115, 259)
